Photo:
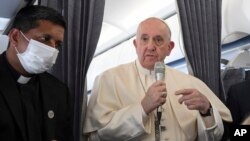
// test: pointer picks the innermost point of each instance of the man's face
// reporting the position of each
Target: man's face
(152, 43)
(47, 33)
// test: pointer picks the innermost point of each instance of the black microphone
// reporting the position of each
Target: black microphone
(159, 75)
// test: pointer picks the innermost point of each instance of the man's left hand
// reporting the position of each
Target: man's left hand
(194, 100)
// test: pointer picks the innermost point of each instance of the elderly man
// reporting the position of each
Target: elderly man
(125, 99)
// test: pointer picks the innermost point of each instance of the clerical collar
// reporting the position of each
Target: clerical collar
(16, 76)
(142, 69)
(23, 79)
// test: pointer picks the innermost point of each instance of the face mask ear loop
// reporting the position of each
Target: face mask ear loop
(17, 50)
(24, 36)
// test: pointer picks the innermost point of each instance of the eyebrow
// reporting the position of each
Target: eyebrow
(51, 37)
(144, 34)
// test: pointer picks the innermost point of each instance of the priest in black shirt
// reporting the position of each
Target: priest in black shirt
(34, 105)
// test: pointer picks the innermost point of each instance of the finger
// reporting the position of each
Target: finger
(162, 89)
(195, 104)
(192, 107)
(187, 97)
(195, 98)
(160, 83)
(184, 98)
(181, 100)
(164, 94)
(191, 102)
(163, 100)
(184, 91)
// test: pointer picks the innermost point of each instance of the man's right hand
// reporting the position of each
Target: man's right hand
(155, 97)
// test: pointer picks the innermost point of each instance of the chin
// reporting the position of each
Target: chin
(149, 66)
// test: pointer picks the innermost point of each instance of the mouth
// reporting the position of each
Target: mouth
(151, 57)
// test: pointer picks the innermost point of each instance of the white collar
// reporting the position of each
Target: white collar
(143, 70)
(23, 79)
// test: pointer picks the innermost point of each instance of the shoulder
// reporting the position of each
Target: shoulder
(181, 75)
(187, 81)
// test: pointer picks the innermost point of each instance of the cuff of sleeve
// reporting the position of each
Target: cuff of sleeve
(217, 119)
(144, 115)
(211, 120)
(212, 127)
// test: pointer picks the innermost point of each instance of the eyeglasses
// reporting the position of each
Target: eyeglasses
(45, 39)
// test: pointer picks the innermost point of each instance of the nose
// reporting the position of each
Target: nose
(52, 43)
(151, 45)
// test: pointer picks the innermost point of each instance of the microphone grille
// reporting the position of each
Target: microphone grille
(159, 67)
(159, 70)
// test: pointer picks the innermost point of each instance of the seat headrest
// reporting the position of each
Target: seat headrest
(4, 41)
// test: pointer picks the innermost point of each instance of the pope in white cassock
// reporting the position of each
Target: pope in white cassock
(125, 99)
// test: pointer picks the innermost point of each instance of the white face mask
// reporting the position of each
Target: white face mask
(37, 57)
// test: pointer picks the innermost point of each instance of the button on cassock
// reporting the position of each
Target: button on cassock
(51, 114)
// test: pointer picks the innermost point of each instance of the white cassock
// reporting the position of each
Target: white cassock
(115, 113)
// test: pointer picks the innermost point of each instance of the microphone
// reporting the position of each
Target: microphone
(159, 71)
(159, 75)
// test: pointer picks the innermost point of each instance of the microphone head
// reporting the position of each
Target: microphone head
(159, 71)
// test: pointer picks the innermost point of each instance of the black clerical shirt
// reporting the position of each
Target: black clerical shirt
(31, 104)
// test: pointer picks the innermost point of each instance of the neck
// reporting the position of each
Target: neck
(14, 61)
(143, 70)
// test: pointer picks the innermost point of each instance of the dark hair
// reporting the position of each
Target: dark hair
(27, 18)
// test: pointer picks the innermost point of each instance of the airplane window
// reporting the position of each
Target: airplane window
(3, 23)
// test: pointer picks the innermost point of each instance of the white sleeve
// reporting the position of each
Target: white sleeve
(213, 133)
(126, 124)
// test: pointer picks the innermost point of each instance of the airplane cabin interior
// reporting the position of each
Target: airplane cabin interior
(121, 18)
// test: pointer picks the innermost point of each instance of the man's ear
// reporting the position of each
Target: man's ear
(13, 37)
(135, 43)
(170, 47)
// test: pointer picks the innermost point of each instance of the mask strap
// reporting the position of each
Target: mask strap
(25, 39)
(17, 50)
(24, 36)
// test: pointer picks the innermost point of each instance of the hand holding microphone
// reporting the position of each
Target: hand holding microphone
(156, 93)
(160, 76)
